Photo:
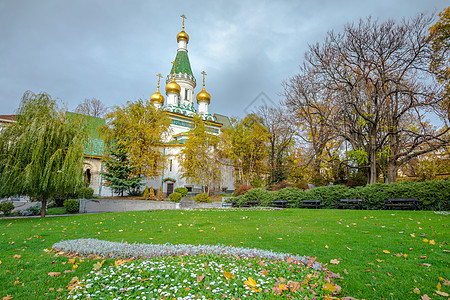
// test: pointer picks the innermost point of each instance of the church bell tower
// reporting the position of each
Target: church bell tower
(181, 71)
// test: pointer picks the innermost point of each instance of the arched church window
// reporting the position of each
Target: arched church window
(87, 177)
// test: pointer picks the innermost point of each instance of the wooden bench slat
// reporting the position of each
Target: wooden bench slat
(402, 202)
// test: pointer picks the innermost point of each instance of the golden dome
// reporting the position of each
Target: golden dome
(157, 97)
(203, 96)
(183, 36)
(173, 87)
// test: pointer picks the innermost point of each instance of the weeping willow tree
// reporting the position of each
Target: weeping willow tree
(41, 154)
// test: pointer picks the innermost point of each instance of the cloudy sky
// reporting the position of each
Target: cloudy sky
(112, 49)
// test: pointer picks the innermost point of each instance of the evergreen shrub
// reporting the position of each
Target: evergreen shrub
(6, 207)
(175, 197)
(240, 201)
(182, 190)
(71, 206)
(85, 193)
(203, 197)
(290, 194)
(259, 194)
(328, 194)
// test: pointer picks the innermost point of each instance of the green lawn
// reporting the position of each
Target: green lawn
(359, 239)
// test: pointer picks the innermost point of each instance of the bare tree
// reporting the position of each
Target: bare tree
(92, 107)
(376, 78)
(314, 117)
(281, 139)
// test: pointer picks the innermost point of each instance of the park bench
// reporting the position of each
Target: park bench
(350, 203)
(310, 203)
(278, 203)
(251, 204)
(228, 202)
(402, 203)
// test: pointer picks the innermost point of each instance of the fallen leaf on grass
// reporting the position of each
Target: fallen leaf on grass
(385, 251)
(98, 265)
(334, 261)
(412, 235)
(52, 274)
(442, 293)
(348, 298)
(228, 275)
(426, 297)
(7, 297)
(389, 274)
(379, 260)
(200, 278)
(423, 257)
(432, 242)
(446, 282)
(425, 240)
(16, 282)
(17, 256)
(368, 270)
(310, 262)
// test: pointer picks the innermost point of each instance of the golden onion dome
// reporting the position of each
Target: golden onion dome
(183, 36)
(173, 87)
(203, 96)
(157, 97)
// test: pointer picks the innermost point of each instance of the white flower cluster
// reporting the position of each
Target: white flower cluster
(123, 250)
(445, 213)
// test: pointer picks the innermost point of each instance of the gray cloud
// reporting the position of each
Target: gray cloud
(112, 50)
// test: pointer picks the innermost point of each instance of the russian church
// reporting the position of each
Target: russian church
(180, 107)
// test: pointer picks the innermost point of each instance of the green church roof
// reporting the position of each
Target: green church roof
(95, 146)
(182, 64)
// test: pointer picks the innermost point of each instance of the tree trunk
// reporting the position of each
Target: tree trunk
(392, 173)
(44, 205)
(372, 176)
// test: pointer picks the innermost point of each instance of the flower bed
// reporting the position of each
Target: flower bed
(203, 272)
(204, 277)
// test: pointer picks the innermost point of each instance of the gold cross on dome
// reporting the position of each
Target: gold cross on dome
(204, 74)
(174, 63)
(184, 17)
(159, 78)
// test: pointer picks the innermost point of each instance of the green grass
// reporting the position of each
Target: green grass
(357, 238)
(56, 211)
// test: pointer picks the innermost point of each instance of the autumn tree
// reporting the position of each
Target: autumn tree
(92, 107)
(244, 145)
(198, 157)
(281, 138)
(41, 154)
(440, 63)
(375, 76)
(140, 129)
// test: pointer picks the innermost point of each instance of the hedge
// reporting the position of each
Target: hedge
(432, 195)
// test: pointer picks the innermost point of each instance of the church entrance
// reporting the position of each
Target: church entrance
(169, 188)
